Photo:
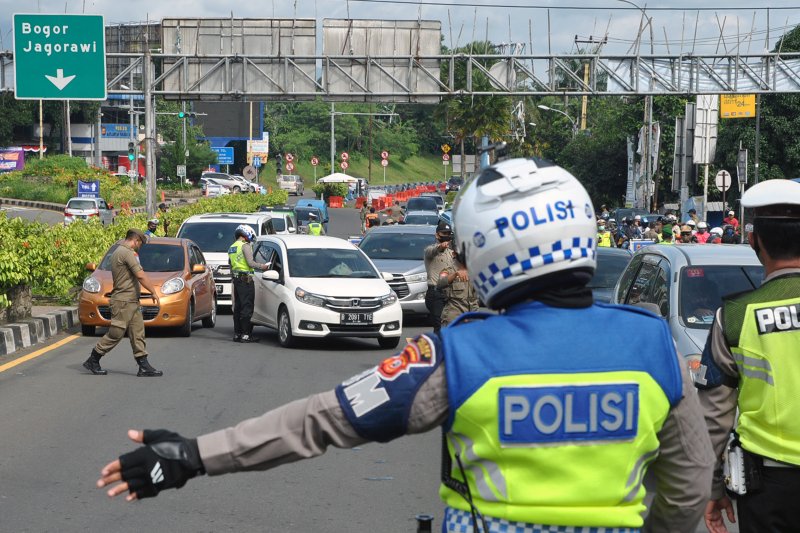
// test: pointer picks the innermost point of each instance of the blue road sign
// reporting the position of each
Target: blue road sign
(89, 189)
(224, 154)
(257, 161)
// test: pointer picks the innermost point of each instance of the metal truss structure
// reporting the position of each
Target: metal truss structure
(428, 79)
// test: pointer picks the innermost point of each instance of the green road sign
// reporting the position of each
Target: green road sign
(59, 57)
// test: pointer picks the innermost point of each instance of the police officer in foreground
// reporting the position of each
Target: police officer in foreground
(550, 423)
(752, 362)
(240, 258)
(438, 257)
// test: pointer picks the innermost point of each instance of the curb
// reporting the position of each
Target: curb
(32, 331)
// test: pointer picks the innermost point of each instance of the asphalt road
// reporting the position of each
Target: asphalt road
(28, 213)
(60, 425)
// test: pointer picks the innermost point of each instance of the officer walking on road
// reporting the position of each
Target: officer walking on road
(438, 257)
(539, 406)
(240, 258)
(126, 312)
(750, 362)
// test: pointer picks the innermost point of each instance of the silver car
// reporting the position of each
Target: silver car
(88, 208)
(685, 284)
(400, 250)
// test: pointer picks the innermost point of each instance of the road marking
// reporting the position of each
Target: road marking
(37, 353)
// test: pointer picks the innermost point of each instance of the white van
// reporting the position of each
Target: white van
(214, 234)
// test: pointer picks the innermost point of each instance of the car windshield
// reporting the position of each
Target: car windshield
(407, 246)
(430, 220)
(302, 213)
(329, 263)
(278, 224)
(609, 268)
(154, 257)
(211, 236)
(81, 204)
(421, 204)
(703, 287)
(438, 199)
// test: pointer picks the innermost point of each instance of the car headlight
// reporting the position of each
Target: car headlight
(308, 298)
(416, 278)
(389, 299)
(171, 286)
(91, 284)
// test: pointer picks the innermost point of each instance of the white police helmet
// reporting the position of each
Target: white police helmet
(243, 230)
(716, 231)
(522, 225)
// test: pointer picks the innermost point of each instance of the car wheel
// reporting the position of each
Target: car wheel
(388, 342)
(87, 331)
(186, 328)
(211, 320)
(285, 336)
(237, 189)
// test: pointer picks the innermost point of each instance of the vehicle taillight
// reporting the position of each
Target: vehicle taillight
(95, 214)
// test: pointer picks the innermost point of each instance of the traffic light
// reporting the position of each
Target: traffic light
(186, 114)
(131, 152)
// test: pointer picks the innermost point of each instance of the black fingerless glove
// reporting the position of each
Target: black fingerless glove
(166, 461)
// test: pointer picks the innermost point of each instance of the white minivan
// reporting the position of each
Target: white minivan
(86, 209)
(214, 234)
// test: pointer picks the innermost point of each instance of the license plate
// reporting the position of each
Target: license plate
(219, 289)
(356, 318)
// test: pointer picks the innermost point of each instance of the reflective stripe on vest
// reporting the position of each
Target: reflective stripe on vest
(314, 228)
(768, 366)
(537, 433)
(236, 258)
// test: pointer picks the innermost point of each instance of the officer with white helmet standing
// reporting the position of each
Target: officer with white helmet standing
(240, 258)
(549, 422)
(750, 362)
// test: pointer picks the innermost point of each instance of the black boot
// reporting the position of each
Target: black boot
(93, 364)
(249, 338)
(237, 337)
(145, 369)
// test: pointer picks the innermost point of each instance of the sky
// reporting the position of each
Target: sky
(675, 23)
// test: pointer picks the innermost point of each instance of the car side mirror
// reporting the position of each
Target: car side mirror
(270, 275)
(292, 230)
(91, 267)
(387, 276)
(198, 269)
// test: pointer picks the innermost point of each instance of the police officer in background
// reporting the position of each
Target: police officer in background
(314, 227)
(240, 258)
(751, 362)
(459, 293)
(438, 257)
(550, 423)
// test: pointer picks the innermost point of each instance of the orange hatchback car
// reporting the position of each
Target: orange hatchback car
(176, 268)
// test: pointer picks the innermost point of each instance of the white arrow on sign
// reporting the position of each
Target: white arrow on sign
(59, 80)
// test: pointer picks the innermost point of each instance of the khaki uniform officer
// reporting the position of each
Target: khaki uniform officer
(126, 313)
(458, 291)
(438, 257)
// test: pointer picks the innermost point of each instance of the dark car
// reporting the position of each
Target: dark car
(454, 184)
(611, 262)
(627, 212)
(422, 203)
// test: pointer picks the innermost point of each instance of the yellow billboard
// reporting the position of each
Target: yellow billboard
(737, 106)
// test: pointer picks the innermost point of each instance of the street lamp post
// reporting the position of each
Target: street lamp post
(572, 121)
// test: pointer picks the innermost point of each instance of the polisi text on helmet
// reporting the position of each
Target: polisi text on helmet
(522, 220)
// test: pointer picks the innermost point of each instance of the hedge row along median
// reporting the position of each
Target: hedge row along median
(52, 259)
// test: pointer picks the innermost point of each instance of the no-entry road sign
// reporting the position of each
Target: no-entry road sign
(59, 57)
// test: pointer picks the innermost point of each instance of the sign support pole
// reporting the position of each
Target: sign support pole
(384, 175)
(148, 128)
(41, 131)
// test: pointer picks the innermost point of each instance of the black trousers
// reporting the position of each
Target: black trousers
(774, 508)
(434, 301)
(244, 292)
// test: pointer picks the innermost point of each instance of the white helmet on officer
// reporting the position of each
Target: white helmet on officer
(522, 225)
(243, 230)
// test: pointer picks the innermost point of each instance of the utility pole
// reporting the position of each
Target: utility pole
(149, 129)
(333, 138)
(585, 99)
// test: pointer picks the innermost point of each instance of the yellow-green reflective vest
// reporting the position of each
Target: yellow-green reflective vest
(762, 328)
(604, 239)
(314, 228)
(236, 258)
(552, 427)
